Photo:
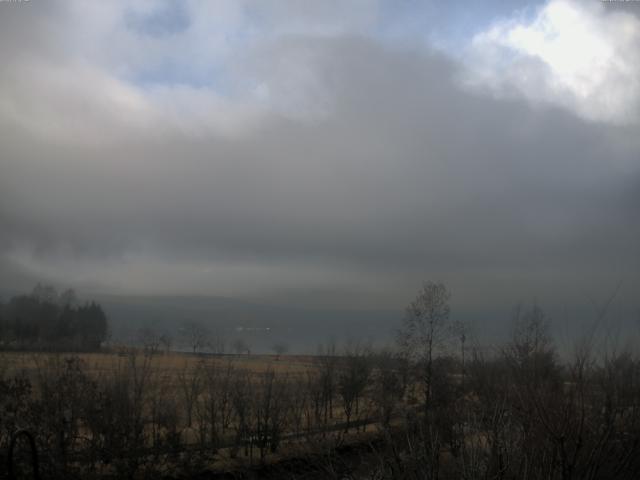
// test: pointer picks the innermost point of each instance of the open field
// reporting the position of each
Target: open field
(221, 411)
(171, 363)
(359, 415)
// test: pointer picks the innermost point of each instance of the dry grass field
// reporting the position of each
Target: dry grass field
(222, 411)
(359, 415)
(27, 363)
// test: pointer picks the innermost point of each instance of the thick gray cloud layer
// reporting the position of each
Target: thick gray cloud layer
(352, 166)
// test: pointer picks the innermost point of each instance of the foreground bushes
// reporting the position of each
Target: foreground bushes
(512, 413)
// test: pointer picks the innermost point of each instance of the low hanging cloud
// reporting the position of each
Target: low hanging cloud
(334, 162)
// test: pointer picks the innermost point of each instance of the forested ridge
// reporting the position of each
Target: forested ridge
(46, 319)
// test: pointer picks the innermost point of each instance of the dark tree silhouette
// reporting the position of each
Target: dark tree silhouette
(45, 320)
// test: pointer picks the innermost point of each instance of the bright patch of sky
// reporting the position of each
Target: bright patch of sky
(579, 56)
(448, 26)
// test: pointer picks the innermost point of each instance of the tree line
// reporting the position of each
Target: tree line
(46, 319)
(434, 407)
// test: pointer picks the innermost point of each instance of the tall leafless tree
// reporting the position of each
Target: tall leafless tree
(426, 330)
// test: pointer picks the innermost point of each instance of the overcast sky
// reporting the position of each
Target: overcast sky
(324, 153)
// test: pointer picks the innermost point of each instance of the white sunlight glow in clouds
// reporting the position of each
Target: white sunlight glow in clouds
(576, 55)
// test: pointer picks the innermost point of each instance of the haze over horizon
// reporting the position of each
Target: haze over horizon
(323, 155)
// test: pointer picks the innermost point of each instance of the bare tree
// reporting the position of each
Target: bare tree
(279, 349)
(388, 386)
(208, 410)
(196, 335)
(166, 341)
(460, 331)
(215, 410)
(243, 412)
(353, 377)
(425, 330)
(149, 338)
(269, 409)
(327, 362)
(190, 381)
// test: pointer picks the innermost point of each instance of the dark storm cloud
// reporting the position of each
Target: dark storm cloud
(375, 164)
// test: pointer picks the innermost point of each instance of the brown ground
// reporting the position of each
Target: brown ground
(27, 362)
